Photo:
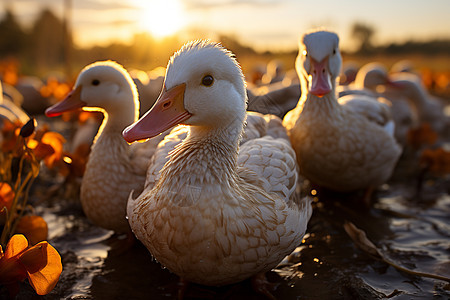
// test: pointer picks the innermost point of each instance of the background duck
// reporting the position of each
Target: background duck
(114, 168)
(410, 102)
(337, 147)
(149, 86)
(218, 213)
(372, 80)
(426, 108)
(10, 110)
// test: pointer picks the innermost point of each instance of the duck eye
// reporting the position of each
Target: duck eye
(207, 80)
(95, 82)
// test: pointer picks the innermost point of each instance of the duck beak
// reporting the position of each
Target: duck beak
(71, 102)
(167, 112)
(320, 79)
(394, 84)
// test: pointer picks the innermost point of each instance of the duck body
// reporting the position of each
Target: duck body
(114, 168)
(276, 99)
(372, 79)
(202, 229)
(343, 146)
(218, 212)
(410, 103)
(426, 108)
(336, 150)
(112, 172)
(10, 109)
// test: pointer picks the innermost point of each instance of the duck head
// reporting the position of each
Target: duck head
(319, 62)
(371, 75)
(103, 85)
(203, 87)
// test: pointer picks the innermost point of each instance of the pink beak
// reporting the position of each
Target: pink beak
(395, 84)
(320, 81)
(71, 102)
(167, 112)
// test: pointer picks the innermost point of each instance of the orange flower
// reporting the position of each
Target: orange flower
(46, 145)
(34, 228)
(9, 70)
(49, 147)
(10, 133)
(41, 264)
(61, 91)
(56, 141)
(54, 88)
(6, 196)
(40, 150)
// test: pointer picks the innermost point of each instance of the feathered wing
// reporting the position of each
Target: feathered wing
(374, 110)
(275, 127)
(274, 162)
(256, 127)
(259, 125)
(271, 163)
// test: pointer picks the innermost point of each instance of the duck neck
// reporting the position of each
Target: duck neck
(114, 122)
(325, 105)
(206, 156)
(418, 96)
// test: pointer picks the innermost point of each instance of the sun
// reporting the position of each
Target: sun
(161, 17)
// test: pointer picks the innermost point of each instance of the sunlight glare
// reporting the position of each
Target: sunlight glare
(161, 17)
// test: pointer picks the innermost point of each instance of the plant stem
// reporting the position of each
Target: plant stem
(415, 273)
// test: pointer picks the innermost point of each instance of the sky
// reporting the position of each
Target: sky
(264, 24)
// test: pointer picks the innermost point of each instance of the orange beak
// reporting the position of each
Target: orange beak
(167, 112)
(71, 102)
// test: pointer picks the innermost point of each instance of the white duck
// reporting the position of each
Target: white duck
(371, 75)
(217, 213)
(149, 86)
(339, 146)
(367, 79)
(372, 80)
(10, 110)
(114, 168)
(277, 98)
(410, 102)
(427, 108)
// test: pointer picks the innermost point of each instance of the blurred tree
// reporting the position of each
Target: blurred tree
(363, 34)
(432, 47)
(49, 37)
(232, 42)
(12, 38)
(67, 19)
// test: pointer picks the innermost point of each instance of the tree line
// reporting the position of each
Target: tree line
(364, 33)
